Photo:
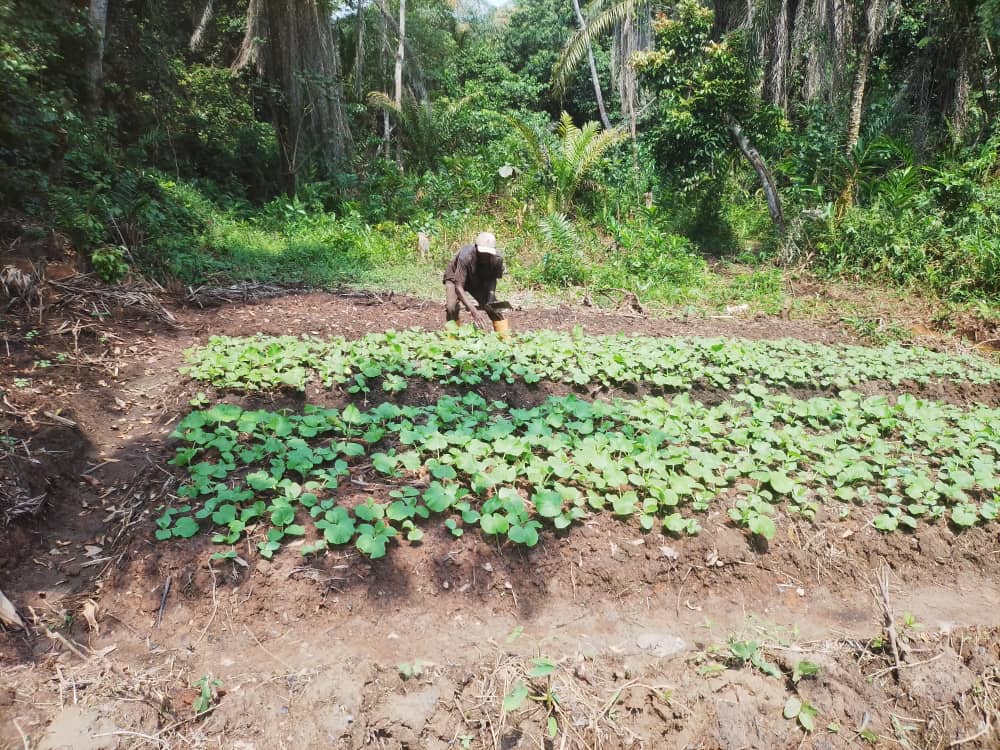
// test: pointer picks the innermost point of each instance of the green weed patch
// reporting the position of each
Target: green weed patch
(515, 473)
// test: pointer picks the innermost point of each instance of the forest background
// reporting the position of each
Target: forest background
(684, 151)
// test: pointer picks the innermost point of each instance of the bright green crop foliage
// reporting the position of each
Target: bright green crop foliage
(464, 357)
(519, 473)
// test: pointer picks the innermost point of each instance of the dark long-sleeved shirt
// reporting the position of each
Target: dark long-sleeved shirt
(475, 272)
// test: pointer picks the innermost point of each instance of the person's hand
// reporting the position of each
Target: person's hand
(482, 320)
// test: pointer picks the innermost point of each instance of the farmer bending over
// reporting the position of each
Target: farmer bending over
(472, 275)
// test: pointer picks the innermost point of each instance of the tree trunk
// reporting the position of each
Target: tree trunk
(874, 26)
(766, 181)
(777, 78)
(292, 44)
(359, 51)
(875, 22)
(383, 75)
(633, 35)
(595, 79)
(98, 15)
(198, 37)
(857, 101)
(397, 96)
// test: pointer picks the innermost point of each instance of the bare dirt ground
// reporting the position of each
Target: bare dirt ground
(418, 650)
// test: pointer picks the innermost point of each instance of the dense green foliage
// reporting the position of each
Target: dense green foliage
(174, 146)
(462, 357)
(516, 472)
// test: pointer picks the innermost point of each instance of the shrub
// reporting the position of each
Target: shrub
(110, 263)
(652, 262)
(563, 262)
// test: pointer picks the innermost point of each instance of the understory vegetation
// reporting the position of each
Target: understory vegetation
(630, 148)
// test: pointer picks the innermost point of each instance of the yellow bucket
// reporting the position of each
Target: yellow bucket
(502, 328)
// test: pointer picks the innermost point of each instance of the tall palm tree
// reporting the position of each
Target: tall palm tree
(421, 127)
(631, 24)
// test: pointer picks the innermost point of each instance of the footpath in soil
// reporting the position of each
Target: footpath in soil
(419, 649)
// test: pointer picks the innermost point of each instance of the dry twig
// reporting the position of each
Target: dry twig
(890, 622)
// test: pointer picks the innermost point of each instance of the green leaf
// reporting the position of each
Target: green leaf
(185, 527)
(383, 463)
(765, 666)
(675, 523)
(437, 498)
(553, 727)
(415, 534)
(804, 669)
(515, 698)
(267, 549)
(372, 545)
(341, 529)
(792, 707)
(780, 483)
(224, 514)
(541, 667)
(762, 525)
(494, 523)
(964, 515)
(282, 515)
(807, 717)
(885, 522)
(547, 503)
(526, 534)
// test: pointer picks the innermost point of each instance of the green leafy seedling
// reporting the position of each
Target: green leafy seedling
(408, 670)
(804, 669)
(796, 708)
(208, 694)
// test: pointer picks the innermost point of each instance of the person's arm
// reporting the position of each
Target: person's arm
(480, 317)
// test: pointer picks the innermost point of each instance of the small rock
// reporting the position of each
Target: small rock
(71, 569)
(668, 552)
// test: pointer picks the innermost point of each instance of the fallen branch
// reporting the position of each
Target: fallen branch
(890, 622)
(972, 737)
(905, 665)
(61, 420)
(246, 291)
(24, 737)
(84, 292)
(163, 601)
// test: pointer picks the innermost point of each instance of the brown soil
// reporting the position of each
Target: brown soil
(313, 653)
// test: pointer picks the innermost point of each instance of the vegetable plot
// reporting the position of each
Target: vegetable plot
(463, 357)
(270, 477)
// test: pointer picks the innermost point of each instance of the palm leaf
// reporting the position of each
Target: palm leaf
(531, 139)
(603, 15)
